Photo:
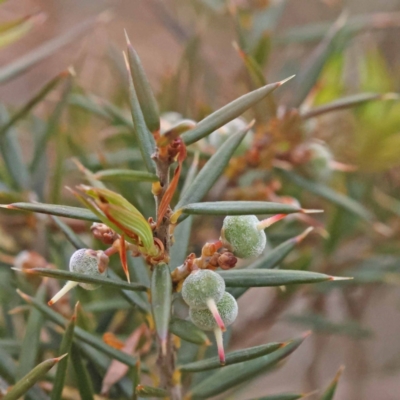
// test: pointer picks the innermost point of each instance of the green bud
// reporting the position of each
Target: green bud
(227, 308)
(202, 285)
(88, 262)
(242, 236)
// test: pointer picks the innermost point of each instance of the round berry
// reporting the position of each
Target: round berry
(241, 236)
(227, 308)
(86, 261)
(319, 158)
(202, 285)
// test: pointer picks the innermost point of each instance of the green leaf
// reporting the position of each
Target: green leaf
(8, 368)
(239, 208)
(228, 113)
(52, 125)
(125, 175)
(65, 348)
(188, 331)
(233, 375)
(55, 209)
(30, 343)
(283, 396)
(17, 67)
(24, 111)
(24, 384)
(73, 276)
(80, 334)
(72, 237)
(178, 251)
(331, 389)
(147, 101)
(209, 174)
(232, 358)
(316, 62)
(83, 380)
(144, 137)
(272, 258)
(12, 155)
(135, 374)
(347, 102)
(161, 298)
(329, 194)
(150, 391)
(277, 277)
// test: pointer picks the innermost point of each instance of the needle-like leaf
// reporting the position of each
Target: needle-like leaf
(331, 389)
(229, 112)
(275, 277)
(75, 277)
(125, 175)
(161, 297)
(188, 331)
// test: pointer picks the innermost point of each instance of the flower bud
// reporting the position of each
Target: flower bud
(103, 233)
(241, 235)
(227, 260)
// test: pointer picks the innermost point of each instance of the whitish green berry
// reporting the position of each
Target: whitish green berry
(319, 161)
(227, 308)
(201, 286)
(88, 262)
(242, 236)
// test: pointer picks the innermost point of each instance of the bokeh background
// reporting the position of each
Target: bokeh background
(357, 327)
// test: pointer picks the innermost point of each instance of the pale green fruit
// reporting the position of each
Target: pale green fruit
(202, 285)
(318, 165)
(86, 261)
(227, 308)
(241, 236)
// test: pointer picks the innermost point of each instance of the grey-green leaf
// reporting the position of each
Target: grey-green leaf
(233, 375)
(228, 113)
(275, 277)
(73, 276)
(331, 389)
(55, 209)
(232, 358)
(188, 331)
(161, 298)
(125, 175)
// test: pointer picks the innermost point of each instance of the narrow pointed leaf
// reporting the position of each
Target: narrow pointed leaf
(347, 102)
(25, 383)
(329, 194)
(84, 382)
(271, 260)
(73, 276)
(178, 251)
(161, 297)
(144, 137)
(150, 391)
(213, 169)
(232, 358)
(89, 103)
(188, 331)
(12, 155)
(55, 209)
(31, 341)
(228, 113)
(283, 396)
(8, 367)
(239, 208)
(145, 95)
(65, 348)
(80, 334)
(233, 375)
(135, 374)
(39, 53)
(125, 175)
(72, 237)
(329, 393)
(312, 70)
(276, 277)
(24, 111)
